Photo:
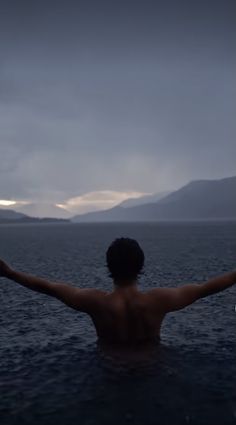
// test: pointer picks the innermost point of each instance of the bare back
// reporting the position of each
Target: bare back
(128, 318)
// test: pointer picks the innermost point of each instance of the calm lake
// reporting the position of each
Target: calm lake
(53, 372)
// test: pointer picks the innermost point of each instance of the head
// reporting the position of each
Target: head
(125, 260)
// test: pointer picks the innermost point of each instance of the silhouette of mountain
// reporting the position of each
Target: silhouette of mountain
(44, 209)
(6, 214)
(198, 200)
(133, 202)
(11, 216)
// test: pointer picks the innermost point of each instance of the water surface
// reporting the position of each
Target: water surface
(51, 369)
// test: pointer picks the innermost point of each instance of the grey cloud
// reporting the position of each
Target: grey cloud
(135, 98)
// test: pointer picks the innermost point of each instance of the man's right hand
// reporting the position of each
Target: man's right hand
(4, 269)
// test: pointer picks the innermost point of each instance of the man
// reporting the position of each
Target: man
(124, 316)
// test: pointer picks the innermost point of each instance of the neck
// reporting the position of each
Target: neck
(125, 285)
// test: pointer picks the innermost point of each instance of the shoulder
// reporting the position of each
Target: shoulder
(157, 293)
(162, 298)
(95, 300)
(91, 294)
(157, 296)
(85, 299)
(176, 298)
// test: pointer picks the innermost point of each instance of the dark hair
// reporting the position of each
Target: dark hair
(125, 259)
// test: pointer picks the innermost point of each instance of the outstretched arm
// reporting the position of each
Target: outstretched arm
(177, 298)
(79, 299)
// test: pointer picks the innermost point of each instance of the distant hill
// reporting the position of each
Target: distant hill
(133, 202)
(198, 200)
(6, 214)
(43, 209)
(11, 216)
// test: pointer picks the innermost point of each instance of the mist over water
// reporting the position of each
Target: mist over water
(51, 369)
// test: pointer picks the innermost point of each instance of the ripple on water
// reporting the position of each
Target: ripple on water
(52, 370)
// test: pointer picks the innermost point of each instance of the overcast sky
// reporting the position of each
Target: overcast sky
(114, 97)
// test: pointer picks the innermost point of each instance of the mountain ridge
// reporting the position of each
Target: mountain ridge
(198, 199)
(8, 216)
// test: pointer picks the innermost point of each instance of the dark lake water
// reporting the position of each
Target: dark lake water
(51, 370)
